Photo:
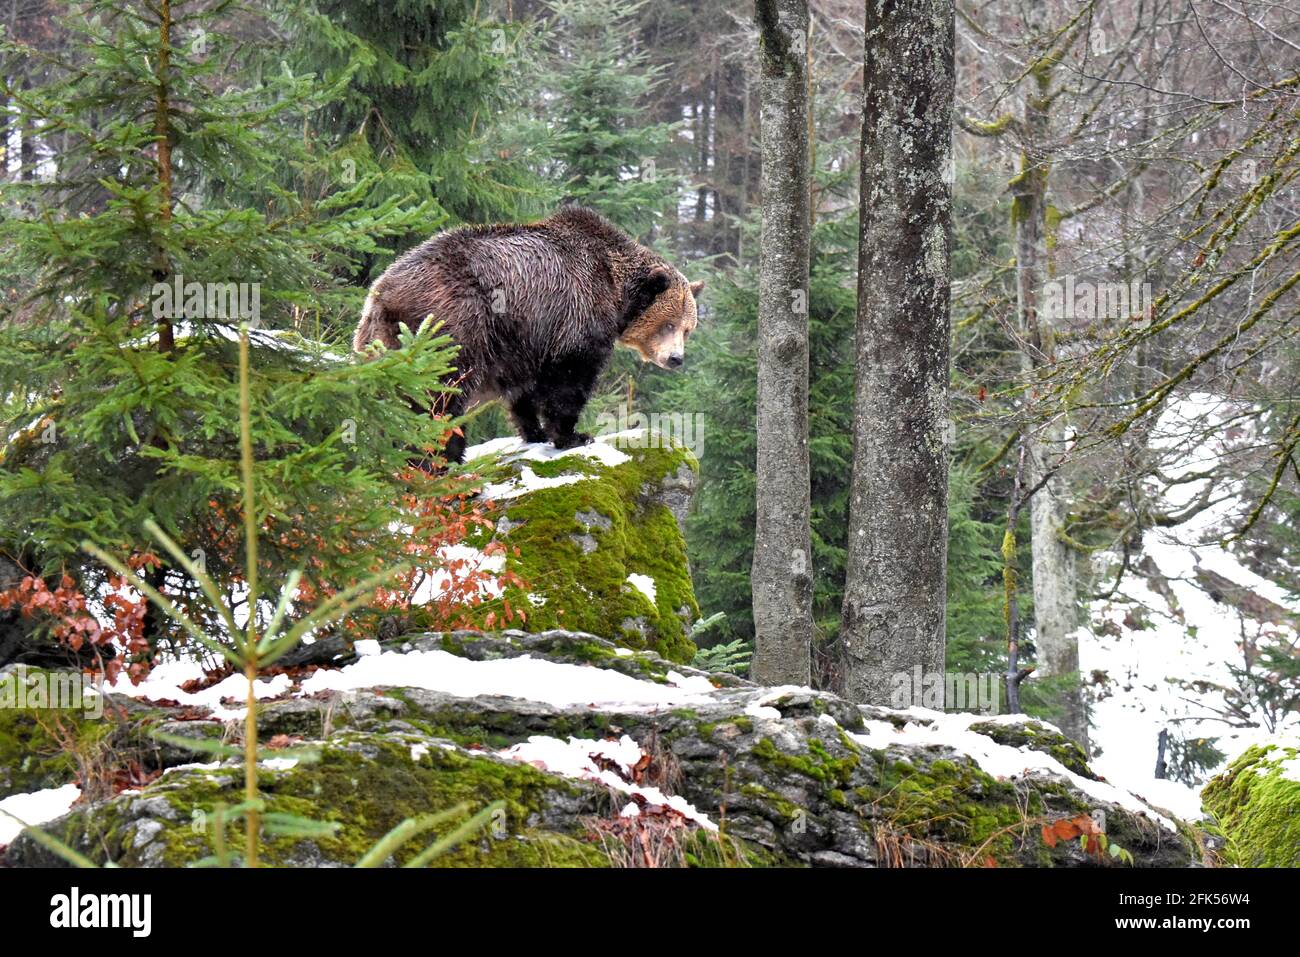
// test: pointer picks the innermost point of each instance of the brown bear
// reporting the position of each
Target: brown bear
(536, 310)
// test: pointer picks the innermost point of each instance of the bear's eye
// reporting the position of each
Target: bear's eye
(671, 327)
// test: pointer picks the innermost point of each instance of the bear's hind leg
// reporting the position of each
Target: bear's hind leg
(525, 416)
(454, 450)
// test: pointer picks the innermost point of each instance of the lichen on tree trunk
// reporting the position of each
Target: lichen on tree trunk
(894, 596)
(1054, 570)
(781, 576)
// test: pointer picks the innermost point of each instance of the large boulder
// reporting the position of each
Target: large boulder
(1256, 804)
(603, 755)
(54, 729)
(594, 533)
(366, 784)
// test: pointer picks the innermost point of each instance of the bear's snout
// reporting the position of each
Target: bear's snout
(675, 361)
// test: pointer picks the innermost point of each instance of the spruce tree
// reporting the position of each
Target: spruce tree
(604, 155)
(159, 225)
(721, 525)
(426, 93)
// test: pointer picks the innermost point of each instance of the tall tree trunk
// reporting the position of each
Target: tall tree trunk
(163, 133)
(782, 570)
(155, 622)
(1055, 583)
(4, 133)
(732, 118)
(894, 594)
(702, 156)
(27, 140)
(1056, 619)
(747, 166)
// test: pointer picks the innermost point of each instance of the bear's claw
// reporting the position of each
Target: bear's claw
(574, 440)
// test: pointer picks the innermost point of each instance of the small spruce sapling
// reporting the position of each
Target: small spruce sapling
(251, 650)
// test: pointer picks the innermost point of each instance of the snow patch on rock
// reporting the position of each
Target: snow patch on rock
(999, 760)
(644, 584)
(602, 450)
(579, 757)
(34, 807)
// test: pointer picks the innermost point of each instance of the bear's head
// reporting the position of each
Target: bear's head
(661, 315)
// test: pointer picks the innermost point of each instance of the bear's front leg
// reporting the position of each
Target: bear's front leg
(562, 422)
(565, 391)
(524, 414)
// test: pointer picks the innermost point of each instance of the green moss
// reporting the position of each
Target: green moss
(562, 646)
(39, 745)
(705, 849)
(953, 803)
(453, 645)
(494, 729)
(589, 652)
(1052, 217)
(819, 764)
(1257, 806)
(991, 128)
(780, 809)
(29, 758)
(585, 588)
(366, 790)
(569, 465)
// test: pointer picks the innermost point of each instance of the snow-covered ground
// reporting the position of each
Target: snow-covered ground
(610, 762)
(35, 807)
(604, 450)
(550, 682)
(562, 684)
(577, 757)
(999, 760)
(1192, 638)
(164, 684)
(525, 677)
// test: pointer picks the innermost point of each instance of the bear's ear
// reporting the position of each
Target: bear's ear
(657, 283)
(642, 291)
(697, 287)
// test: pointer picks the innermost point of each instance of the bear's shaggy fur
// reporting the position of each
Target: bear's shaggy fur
(536, 310)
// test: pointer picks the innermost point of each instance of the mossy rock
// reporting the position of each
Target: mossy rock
(564, 647)
(793, 777)
(366, 785)
(31, 759)
(58, 740)
(39, 745)
(1256, 803)
(591, 523)
(1038, 737)
(801, 790)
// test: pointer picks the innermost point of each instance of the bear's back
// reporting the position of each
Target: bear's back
(537, 291)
